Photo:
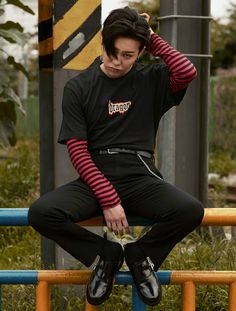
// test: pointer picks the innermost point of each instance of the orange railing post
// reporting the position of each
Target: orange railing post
(47, 277)
(232, 296)
(89, 307)
(42, 296)
(188, 296)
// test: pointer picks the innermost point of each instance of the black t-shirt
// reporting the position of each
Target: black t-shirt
(121, 112)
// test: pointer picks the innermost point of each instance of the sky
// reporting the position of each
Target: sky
(218, 7)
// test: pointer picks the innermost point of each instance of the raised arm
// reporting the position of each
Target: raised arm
(181, 69)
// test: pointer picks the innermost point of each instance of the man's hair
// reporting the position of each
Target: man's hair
(125, 22)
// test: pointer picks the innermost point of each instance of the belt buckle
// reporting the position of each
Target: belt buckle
(111, 152)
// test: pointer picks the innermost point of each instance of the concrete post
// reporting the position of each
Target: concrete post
(182, 136)
(69, 41)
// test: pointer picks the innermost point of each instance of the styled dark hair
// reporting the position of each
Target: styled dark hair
(125, 22)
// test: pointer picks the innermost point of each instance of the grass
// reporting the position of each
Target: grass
(19, 173)
(20, 249)
(19, 246)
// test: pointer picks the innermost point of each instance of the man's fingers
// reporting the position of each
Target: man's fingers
(120, 228)
(114, 227)
(126, 226)
(116, 220)
(123, 226)
(145, 16)
(109, 226)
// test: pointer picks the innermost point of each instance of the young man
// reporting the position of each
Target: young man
(111, 113)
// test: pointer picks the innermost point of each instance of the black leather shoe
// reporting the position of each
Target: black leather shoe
(100, 285)
(147, 283)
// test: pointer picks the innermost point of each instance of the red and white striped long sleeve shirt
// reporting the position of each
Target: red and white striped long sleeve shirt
(181, 69)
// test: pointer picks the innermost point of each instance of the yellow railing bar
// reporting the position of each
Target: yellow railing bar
(219, 217)
(64, 276)
(212, 217)
(203, 277)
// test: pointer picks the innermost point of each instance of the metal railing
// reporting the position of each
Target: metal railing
(212, 217)
(188, 280)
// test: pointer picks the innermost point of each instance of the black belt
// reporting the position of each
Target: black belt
(123, 150)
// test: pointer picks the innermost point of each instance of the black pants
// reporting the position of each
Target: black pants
(175, 212)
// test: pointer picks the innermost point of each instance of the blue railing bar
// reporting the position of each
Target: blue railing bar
(125, 278)
(18, 277)
(14, 217)
(31, 276)
(19, 217)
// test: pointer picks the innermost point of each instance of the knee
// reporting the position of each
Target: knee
(37, 215)
(192, 212)
(198, 211)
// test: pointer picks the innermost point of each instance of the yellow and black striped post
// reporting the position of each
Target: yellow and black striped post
(69, 41)
(69, 33)
(45, 34)
(76, 33)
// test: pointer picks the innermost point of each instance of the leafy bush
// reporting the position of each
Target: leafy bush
(19, 173)
(10, 33)
(223, 115)
(221, 163)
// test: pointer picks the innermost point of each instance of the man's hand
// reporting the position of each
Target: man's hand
(116, 219)
(147, 18)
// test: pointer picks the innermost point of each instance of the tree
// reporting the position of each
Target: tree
(223, 41)
(148, 6)
(11, 33)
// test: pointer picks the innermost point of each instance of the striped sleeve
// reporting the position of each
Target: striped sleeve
(181, 69)
(91, 175)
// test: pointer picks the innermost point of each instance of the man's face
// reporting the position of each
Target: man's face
(127, 51)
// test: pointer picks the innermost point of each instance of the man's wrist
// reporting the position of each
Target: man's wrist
(149, 47)
(151, 31)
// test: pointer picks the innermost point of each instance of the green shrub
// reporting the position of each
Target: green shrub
(19, 173)
(222, 115)
(221, 163)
